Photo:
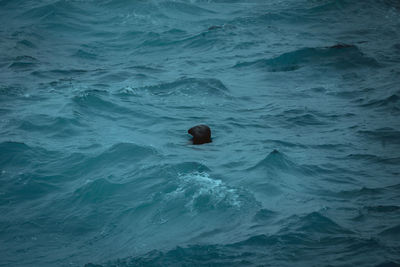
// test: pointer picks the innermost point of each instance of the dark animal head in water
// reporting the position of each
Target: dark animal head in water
(201, 134)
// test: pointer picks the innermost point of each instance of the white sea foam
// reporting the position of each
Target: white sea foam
(202, 191)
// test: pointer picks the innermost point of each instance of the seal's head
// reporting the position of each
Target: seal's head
(201, 134)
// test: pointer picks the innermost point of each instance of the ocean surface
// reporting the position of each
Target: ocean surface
(97, 167)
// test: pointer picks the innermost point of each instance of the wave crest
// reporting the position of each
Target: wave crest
(343, 58)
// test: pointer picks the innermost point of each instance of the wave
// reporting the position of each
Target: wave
(277, 175)
(7, 92)
(260, 250)
(191, 86)
(187, 93)
(390, 103)
(23, 63)
(55, 12)
(388, 263)
(340, 57)
(382, 208)
(25, 43)
(264, 215)
(98, 191)
(285, 144)
(101, 103)
(323, 7)
(303, 117)
(179, 8)
(20, 155)
(374, 159)
(54, 126)
(20, 167)
(275, 160)
(63, 75)
(305, 120)
(391, 232)
(314, 223)
(117, 158)
(88, 84)
(278, 162)
(386, 135)
(362, 193)
(200, 193)
(28, 187)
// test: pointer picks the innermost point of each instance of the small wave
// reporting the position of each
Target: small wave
(275, 160)
(278, 162)
(315, 223)
(329, 6)
(120, 156)
(61, 74)
(374, 159)
(27, 43)
(190, 87)
(392, 232)
(389, 263)
(28, 187)
(99, 102)
(11, 92)
(55, 13)
(24, 63)
(190, 167)
(15, 154)
(285, 144)
(391, 103)
(85, 54)
(257, 250)
(204, 193)
(183, 93)
(383, 208)
(98, 191)
(20, 167)
(56, 126)
(179, 8)
(385, 135)
(347, 57)
(258, 240)
(363, 192)
(264, 215)
(118, 76)
(305, 120)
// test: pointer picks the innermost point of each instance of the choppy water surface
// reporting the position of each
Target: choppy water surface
(96, 166)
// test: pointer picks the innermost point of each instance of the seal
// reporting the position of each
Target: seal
(201, 134)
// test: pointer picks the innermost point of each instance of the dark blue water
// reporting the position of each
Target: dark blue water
(97, 168)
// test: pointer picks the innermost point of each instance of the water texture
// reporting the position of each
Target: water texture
(97, 168)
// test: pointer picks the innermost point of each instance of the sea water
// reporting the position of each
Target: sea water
(97, 168)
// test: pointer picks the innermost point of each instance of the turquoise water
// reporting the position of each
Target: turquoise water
(97, 168)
